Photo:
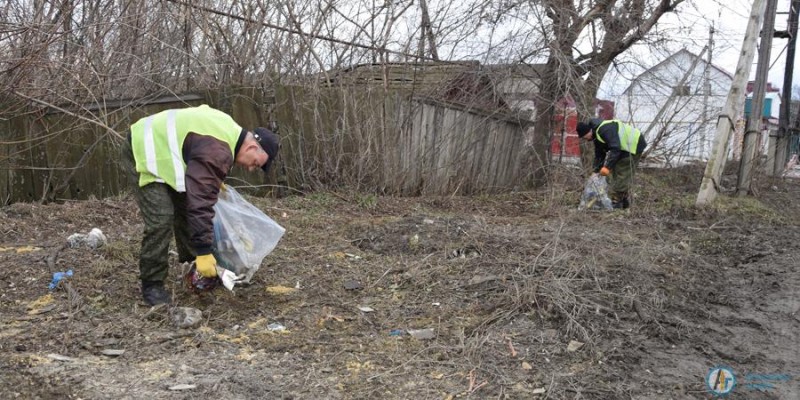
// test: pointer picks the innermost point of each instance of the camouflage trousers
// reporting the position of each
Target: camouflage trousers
(621, 179)
(164, 213)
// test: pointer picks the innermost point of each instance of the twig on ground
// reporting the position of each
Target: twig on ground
(511, 347)
(51, 259)
(637, 306)
(472, 379)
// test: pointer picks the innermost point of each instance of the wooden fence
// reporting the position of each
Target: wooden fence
(366, 139)
(346, 138)
(73, 153)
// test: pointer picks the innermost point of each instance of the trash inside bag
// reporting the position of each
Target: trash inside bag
(243, 234)
(595, 194)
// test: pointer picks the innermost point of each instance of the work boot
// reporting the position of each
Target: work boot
(154, 293)
(616, 200)
(626, 201)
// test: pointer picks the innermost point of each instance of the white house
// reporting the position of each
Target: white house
(678, 120)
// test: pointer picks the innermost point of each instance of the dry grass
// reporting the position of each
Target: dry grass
(506, 282)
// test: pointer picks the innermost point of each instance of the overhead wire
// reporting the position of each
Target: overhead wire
(306, 34)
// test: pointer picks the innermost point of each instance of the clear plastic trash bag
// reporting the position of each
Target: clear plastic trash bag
(595, 194)
(243, 234)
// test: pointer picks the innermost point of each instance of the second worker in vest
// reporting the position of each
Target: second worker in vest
(176, 161)
(617, 149)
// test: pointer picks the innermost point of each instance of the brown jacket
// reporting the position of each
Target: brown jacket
(208, 162)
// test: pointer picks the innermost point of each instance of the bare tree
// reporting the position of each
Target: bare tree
(611, 28)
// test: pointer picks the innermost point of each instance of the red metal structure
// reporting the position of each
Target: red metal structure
(564, 142)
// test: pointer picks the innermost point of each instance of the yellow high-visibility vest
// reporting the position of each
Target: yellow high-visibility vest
(628, 135)
(157, 141)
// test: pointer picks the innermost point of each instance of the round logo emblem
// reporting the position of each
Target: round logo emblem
(720, 381)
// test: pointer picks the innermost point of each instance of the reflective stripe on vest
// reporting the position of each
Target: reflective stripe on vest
(175, 149)
(157, 141)
(628, 135)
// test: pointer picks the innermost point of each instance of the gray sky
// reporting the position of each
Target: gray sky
(730, 21)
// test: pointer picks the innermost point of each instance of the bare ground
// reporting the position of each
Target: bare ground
(657, 295)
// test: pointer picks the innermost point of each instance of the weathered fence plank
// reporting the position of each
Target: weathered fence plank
(360, 137)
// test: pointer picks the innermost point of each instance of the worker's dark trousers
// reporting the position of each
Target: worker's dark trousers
(621, 179)
(163, 211)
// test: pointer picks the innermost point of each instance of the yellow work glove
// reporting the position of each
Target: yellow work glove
(605, 171)
(206, 265)
(223, 187)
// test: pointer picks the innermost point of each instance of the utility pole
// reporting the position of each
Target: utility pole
(427, 33)
(782, 145)
(706, 93)
(727, 120)
(753, 128)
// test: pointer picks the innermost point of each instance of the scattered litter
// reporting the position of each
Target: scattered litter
(526, 366)
(353, 285)
(280, 290)
(436, 304)
(43, 302)
(198, 283)
(112, 352)
(366, 309)
(186, 317)
(396, 332)
(183, 386)
(427, 221)
(465, 252)
(228, 278)
(57, 277)
(540, 390)
(422, 334)
(276, 327)
(413, 241)
(437, 376)
(574, 345)
(59, 357)
(94, 239)
(353, 256)
(27, 249)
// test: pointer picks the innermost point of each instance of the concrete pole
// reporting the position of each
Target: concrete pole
(730, 113)
(753, 130)
(706, 94)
